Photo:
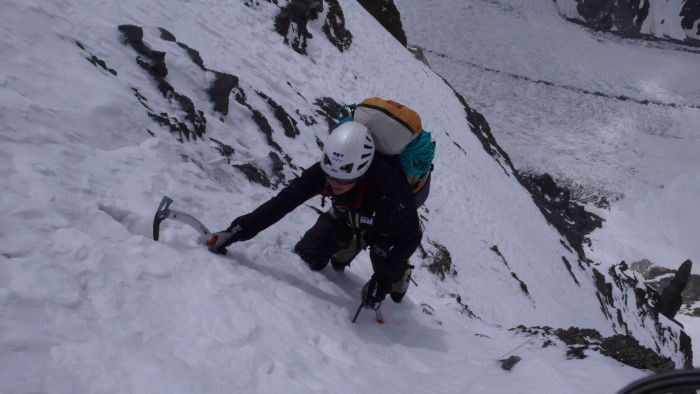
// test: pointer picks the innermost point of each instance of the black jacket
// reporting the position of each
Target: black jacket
(381, 203)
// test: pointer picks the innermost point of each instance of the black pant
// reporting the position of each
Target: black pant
(328, 236)
(332, 238)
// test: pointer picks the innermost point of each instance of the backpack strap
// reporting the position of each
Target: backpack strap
(344, 114)
(361, 193)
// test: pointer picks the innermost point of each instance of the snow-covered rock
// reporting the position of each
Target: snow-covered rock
(677, 20)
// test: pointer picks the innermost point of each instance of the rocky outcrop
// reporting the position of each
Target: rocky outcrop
(690, 14)
(194, 124)
(670, 300)
(334, 27)
(291, 22)
(673, 21)
(96, 61)
(293, 19)
(623, 348)
(439, 260)
(624, 299)
(569, 217)
(522, 284)
(329, 109)
(386, 13)
(419, 53)
(667, 283)
(180, 114)
(554, 201)
(622, 16)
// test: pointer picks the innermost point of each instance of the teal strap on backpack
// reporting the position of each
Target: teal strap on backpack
(344, 114)
(417, 157)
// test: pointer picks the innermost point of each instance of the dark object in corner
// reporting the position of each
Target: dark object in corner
(679, 381)
(509, 363)
(670, 300)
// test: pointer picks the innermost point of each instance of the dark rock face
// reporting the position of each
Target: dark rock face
(166, 35)
(622, 348)
(258, 117)
(329, 109)
(220, 91)
(334, 27)
(578, 336)
(419, 54)
(288, 123)
(292, 20)
(97, 62)
(567, 264)
(225, 150)
(440, 261)
(509, 362)
(570, 218)
(193, 124)
(670, 301)
(254, 174)
(386, 13)
(574, 223)
(194, 56)
(465, 310)
(154, 63)
(567, 216)
(686, 347)
(627, 18)
(256, 3)
(619, 15)
(482, 130)
(661, 279)
(690, 14)
(604, 291)
(522, 284)
(277, 167)
(627, 350)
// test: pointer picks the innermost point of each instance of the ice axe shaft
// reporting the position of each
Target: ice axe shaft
(378, 316)
(164, 212)
(359, 309)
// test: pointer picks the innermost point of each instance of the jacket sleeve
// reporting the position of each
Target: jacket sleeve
(308, 185)
(395, 238)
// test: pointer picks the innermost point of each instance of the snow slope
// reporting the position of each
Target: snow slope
(90, 303)
(604, 115)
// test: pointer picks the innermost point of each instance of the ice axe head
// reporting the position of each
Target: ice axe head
(164, 212)
(161, 214)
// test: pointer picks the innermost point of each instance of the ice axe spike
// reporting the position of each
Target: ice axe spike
(164, 212)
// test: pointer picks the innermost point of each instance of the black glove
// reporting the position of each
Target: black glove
(374, 291)
(219, 241)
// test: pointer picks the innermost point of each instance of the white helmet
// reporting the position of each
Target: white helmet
(348, 151)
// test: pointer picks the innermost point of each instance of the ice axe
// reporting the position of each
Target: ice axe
(164, 212)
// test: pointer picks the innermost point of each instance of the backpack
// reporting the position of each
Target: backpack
(397, 130)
